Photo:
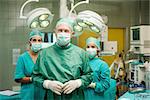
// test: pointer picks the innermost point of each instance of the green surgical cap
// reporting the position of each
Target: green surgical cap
(67, 21)
(34, 33)
(94, 40)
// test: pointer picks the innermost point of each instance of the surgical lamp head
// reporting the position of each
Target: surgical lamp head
(39, 18)
(91, 20)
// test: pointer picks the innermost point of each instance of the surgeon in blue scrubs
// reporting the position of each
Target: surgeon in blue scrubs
(25, 65)
(101, 72)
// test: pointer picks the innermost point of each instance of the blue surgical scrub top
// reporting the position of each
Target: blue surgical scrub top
(101, 76)
(24, 68)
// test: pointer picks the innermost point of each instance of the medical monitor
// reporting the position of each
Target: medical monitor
(140, 39)
(136, 34)
(49, 39)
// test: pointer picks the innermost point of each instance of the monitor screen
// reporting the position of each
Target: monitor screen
(48, 37)
(136, 34)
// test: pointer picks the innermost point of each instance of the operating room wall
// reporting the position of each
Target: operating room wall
(14, 34)
(13, 31)
(121, 13)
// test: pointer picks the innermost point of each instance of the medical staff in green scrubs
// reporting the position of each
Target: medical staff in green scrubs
(101, 72)
(63, 69)
(25, 65)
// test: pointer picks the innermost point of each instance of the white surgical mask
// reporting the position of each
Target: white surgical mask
(91, 52)
(36, 47)
(63, 38)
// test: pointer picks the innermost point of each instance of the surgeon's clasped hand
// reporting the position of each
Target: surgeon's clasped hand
(92, 85)
(71, 86)
(54, 86)
(58, 87)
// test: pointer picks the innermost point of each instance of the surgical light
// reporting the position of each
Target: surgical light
(39, 18)
(43, 17)
(78, 28)
(88, 23)
(82, 24)
(34, 24)
(44, 24)
(95, 29)
(91, 20)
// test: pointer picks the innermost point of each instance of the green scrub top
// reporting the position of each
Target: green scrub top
(63, 64)
(24, 68)
(101, 76)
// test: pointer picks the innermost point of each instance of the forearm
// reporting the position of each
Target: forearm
(24, 80)
(86, 80)
(38, 80)
(104, 79)
(102, 86)
(86, 76)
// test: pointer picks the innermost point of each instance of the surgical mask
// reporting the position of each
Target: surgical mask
(63, 38)
(91, 52)
(36, 47)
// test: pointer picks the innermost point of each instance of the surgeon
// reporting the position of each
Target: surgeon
(101, 72)
(25, 65)
(63, 69)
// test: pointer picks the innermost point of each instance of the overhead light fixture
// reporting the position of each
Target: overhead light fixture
(78, 28)
(39, 18)
(74, 6)
(88, 23)
(44, 24)
(43, 17)
(91, 20)
(82, 24)
(35, 24)
(95, 29)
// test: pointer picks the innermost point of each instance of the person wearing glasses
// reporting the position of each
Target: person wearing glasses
(25, 65)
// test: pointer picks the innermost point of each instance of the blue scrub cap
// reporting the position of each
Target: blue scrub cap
(34, 33)
(67, 21)
(94, 40)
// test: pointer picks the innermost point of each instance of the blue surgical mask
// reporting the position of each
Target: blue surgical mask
(63, 38)
(92, 52)
(36, 47)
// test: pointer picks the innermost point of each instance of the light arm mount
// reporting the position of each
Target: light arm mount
(23, 6)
